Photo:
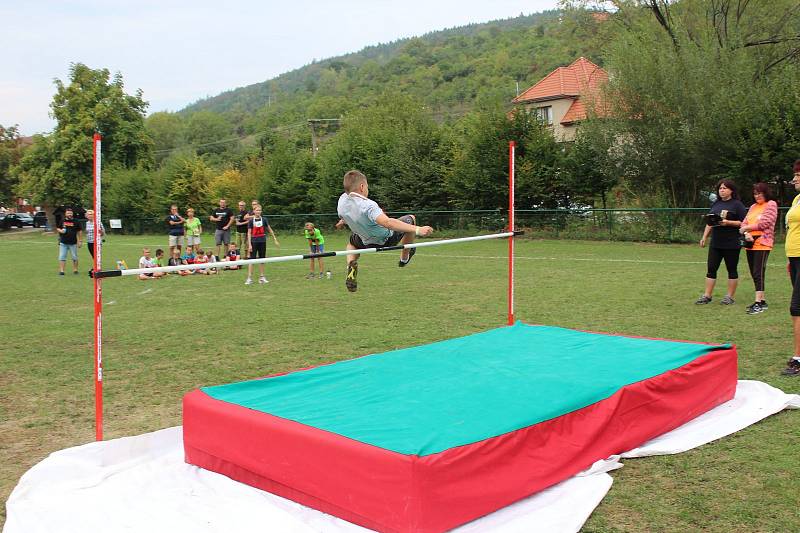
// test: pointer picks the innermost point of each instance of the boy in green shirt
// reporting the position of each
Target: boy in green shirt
(316, 242)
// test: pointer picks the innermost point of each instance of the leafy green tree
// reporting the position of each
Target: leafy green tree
(167, 132)
(58, 169)
(701, 90)
(11, 150)
(204, 131)
(399, 147)
(185, 181)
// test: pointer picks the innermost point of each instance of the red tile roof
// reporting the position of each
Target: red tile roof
(580, 79)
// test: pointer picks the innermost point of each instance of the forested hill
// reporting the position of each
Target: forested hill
(447, 70)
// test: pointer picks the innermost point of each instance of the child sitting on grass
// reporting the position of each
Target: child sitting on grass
(176, 260)
(188, 257)
(201, 259)
(147, 262)
(232, 255)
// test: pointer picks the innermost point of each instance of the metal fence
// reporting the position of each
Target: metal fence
(642, 225)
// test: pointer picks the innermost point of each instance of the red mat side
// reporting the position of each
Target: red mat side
(388, 491)
(361, 483)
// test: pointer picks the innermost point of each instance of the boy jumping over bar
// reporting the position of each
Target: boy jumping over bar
(371, 227)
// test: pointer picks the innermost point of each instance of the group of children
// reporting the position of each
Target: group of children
(370, 227)
(189, 257)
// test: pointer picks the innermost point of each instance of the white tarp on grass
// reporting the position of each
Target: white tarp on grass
(141, 483)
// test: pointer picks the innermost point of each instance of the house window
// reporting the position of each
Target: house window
(545, 114)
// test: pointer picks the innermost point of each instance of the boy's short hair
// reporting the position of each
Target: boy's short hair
(352, 178)
(145, 250)
(200, 251)
(159, 252)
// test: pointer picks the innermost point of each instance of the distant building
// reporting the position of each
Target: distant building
(563, 97)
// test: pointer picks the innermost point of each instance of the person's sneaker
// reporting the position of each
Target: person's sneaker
(60, 273)
(75, 272)
(321, 275)
(310, 275)
(727, 300)
(351, 280)
(792, 368)
(763, 304)
(262, 280)
(703, 300)
(248, 281)
(754, 308)
(411, 252)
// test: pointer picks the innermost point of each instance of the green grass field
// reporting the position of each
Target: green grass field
(165, 337)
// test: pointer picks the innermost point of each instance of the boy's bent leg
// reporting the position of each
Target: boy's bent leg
(408, 238)
(351, 279)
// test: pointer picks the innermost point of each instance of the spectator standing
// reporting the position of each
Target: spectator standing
(241, 225)
(316, 244)
(69, 239)
(758, 230)
(176, 231)
(194, 228)
(257, 229)
(90, 231)
(223, 217)
(730, 212)
(793, 255)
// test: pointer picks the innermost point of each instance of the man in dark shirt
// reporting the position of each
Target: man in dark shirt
(69, 239)
(223, 217)
(176, 231)
(241, 225)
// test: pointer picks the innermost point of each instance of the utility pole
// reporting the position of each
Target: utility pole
(315, 138)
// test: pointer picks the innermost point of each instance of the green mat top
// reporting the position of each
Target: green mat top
(430, 398)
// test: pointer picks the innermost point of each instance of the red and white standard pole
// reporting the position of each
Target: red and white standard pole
(98, 294)
(511, 150)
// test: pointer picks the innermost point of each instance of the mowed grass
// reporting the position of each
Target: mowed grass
(166, 337)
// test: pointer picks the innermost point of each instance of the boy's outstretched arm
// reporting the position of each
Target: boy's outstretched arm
(398, 225)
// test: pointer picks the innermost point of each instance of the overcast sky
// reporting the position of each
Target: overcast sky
(179, 51)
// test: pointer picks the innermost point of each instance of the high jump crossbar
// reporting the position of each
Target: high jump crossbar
(299, 257)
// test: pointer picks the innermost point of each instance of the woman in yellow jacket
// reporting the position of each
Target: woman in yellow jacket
(793, 254)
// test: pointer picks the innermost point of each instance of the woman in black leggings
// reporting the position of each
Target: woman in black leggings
(724, 241)
(758, 229)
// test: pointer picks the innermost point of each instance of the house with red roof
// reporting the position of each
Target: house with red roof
(566, 96)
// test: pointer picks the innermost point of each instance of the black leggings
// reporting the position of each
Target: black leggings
(757, 261)
(715, 257)
(794, 275)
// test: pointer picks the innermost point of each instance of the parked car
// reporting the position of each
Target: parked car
(16, 220)
(39, 219)
(25, 218)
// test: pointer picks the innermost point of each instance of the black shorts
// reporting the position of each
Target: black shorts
(259, 250)
(394, 238)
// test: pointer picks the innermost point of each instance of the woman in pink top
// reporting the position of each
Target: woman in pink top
(758, 228)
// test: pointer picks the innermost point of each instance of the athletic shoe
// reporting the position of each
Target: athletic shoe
(727, 300)
(310, 275)
(60, 273)
(248, 281)
(792, 368)
(321, 275)
(262, 280)
(411, 252)
(703, 300)
(351, 280)
(754, 308)
(75, 272)
(764, 305)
